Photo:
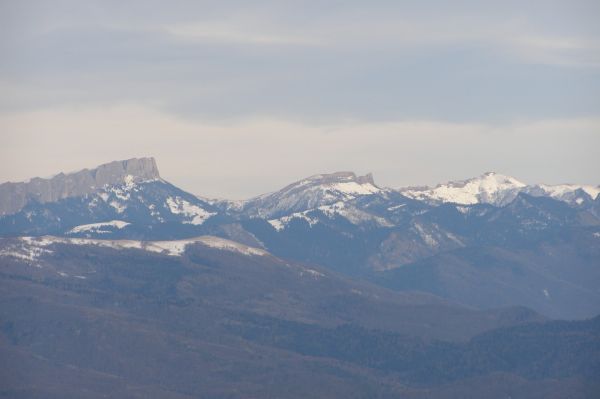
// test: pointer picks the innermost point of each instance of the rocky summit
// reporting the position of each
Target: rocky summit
(14, 196)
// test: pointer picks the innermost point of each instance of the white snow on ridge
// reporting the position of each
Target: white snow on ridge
(490, 188)
(120, 208)
(179, 206)
(277, 224)
(310, 193)
(32, 248)
(98, 227)
(496, 189)
(281, 223)
(393, 208)
(560, 191)
(129, 181)
(25, 253)
(355, 188)
(352, 214)
(222, 243)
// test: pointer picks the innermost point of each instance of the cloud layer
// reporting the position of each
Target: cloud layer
(253, 156)
(273, 90)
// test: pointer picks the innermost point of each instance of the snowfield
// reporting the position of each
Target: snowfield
(99, 228)
(179, 206)
(32, 248)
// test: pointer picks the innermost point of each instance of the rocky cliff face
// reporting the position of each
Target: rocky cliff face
(14, 196)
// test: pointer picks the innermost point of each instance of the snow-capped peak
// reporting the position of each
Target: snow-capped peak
(312, 192)
(570, 193)
(491, 187)
(497, 189)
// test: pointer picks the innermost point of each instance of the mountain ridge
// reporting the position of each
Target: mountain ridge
(348, 224)
(308, 193)
(15, 195)
(495, 189)
(321, 189)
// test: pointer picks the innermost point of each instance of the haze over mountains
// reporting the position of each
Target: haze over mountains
(331, 284)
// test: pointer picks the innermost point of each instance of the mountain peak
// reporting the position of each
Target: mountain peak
(312, 192)
(14, 196)
(115, 172)
(491, 187)
(498, 180)
(334, 177)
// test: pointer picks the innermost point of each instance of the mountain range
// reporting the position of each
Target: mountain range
(117, 283)
(485, 242)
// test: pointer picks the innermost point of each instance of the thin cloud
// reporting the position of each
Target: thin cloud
(249, 157)
(559, 51)
(227, 34)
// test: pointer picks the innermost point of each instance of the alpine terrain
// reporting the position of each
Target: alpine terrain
(116, 283)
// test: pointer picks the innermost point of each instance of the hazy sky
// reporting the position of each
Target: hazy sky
(236, 98)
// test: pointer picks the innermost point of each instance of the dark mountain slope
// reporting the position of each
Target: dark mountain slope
(133, 321)
(558, 276)
(225, 320)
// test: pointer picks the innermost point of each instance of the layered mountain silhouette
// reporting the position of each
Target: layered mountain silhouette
(117, 283)
(214, 318)
(486, 242)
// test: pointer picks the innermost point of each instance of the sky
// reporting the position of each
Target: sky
(238, 98)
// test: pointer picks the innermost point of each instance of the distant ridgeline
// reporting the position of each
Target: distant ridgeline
(486, 242)
(115, 283)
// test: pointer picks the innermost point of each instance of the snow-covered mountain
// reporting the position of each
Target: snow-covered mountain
(136, 205)
(310, 193)
(498, 190)
(15, 196)
(490, 188)
(134, 201)
(341, 221)
(32, 248)
(573, 194)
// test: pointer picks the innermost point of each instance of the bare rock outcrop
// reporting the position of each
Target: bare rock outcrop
(14, 196)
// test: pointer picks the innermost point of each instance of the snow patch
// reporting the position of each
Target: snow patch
(179, 206)
(129, 181)
(282, 223)
(28, 254)
(355, 188)
(425, 236)
(546, 293)
(393, 208)
(277, 224)
(120, 208)
(463, 209)
(312, 273)
(489, 188)
(352, 214)
(33, 247)
(559, 191)
(98, 227)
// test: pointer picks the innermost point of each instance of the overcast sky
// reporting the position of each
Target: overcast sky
(238, 98)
